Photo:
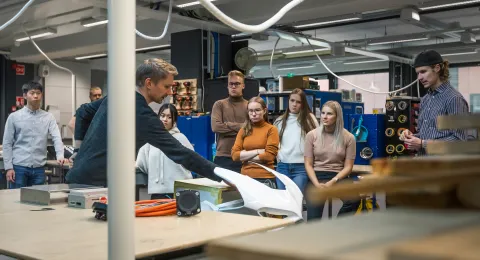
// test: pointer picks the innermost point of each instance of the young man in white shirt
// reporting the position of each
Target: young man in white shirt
(25, 140)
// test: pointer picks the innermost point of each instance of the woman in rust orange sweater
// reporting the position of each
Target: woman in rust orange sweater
(257, 141)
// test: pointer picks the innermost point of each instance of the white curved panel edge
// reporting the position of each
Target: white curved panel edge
(261, 198)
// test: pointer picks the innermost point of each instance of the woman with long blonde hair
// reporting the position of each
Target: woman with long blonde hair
(329, 156)
(257, 141)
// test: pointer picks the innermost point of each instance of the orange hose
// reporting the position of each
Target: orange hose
(168, 212)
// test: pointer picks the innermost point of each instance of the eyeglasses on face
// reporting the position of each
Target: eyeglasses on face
(255, 111)
(234, 84)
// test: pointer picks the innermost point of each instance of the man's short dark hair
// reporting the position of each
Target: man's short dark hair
(155, 69)
(32, 85)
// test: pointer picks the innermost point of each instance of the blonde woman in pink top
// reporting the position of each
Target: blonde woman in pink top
(329, 156)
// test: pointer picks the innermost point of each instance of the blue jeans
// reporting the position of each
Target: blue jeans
(296, 172)
(27, 176)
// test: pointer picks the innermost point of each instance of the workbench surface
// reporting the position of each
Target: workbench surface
(368, 236)
(68, 233)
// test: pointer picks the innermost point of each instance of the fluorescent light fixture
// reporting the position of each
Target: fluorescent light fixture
(459, 53)
(153, 47)
(435, 6)
(93, 22)
(101, 55)
(364, 61)
(296, 68)
(191, 4)
(398, 41)
(305, 51)
(37, 34)
(91, 56)
(332, 20)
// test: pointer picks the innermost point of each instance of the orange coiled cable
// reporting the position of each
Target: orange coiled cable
(150, 208)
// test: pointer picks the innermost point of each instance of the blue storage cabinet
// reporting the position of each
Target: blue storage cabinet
(321, 97)
(375, 125)
(199, 132)
(351, 108)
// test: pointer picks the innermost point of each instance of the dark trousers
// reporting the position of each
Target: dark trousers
(316, 211)
(228, 163)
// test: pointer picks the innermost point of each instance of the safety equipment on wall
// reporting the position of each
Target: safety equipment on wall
(402, 118)
(390, 132)
(366, 153)
(390, 149)
(402, 105)
(389, 105)
(245, 27)
(261, 198)
(400, 148)
(400, 131)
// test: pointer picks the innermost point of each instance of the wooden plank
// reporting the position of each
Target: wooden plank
(455, 147)
(362, 169)
(425, 165)
(345, 236)
(454, 245)
(467, 121)
(69, 233)
(393, 184)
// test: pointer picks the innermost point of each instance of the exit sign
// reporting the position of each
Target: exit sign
(19, 69)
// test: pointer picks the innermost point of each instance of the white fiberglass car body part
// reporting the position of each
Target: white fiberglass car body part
(261, 198)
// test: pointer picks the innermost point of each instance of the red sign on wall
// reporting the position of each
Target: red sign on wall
(20, 69)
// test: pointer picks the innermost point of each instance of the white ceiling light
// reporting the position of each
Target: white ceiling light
(331, 20)
(153, 47)
(101, 55)
(93, 22)
(37, 34)
(304, 51)
(459, 53)
(296, 68)
(447, 4)
(398, 41)
(191, 4)
(364, 61)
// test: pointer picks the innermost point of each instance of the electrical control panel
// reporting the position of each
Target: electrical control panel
(400, 114)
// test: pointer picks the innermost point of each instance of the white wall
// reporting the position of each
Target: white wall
(379, 81)
(468, 78)
(58, 89)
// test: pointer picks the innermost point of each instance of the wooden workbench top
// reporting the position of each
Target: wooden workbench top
(67, 233)
(368, 236)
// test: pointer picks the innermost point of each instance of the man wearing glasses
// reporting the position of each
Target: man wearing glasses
(228, 116)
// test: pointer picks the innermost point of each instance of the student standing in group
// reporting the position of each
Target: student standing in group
(163, 172)
(257, 141)
(441, 99)
(329, 156)
(25, 140)
(293, 126)
(228, 116)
